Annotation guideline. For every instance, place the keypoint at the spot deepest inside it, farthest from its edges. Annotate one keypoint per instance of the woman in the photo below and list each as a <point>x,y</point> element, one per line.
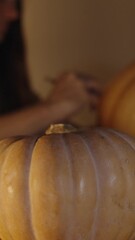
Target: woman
<point>21,113</point>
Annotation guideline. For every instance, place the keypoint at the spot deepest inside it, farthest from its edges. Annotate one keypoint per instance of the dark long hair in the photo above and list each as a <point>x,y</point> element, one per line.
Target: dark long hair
<point>15,91</point>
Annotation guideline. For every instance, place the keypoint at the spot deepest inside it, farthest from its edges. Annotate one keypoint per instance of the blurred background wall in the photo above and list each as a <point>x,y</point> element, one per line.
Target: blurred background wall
<point>92,36</point>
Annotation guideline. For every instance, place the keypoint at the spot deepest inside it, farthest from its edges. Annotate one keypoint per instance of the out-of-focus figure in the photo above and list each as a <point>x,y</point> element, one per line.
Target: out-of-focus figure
<point>21,111</point>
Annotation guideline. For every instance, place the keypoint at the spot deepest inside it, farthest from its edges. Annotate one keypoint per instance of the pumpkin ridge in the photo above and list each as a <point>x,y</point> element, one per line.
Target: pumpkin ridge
<point>8,143</point>
<point>28,186</point>
<point>127,179</point>
<point>69,159</point>
<point>4,151</point>
<point>49,199</point>
<point>71,150</point>
<point>28,149</point>
<point>87,145</point>
<point>125,138</point>
<point>98,189</point>
<point>105,184</point>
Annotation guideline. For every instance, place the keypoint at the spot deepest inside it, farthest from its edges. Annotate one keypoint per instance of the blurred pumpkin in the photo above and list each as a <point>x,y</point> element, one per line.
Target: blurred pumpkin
<point>117,108</point>
<point>68,186</point>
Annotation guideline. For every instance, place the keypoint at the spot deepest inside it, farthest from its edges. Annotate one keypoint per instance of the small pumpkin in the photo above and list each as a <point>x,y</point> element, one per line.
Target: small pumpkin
<point>117,108</point>
<point>68,186</point>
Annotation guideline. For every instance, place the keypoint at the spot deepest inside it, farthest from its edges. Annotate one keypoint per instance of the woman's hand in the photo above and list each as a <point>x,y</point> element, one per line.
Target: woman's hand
<point>71,91</point>
<point>93,88</point>
<point>76,91</point>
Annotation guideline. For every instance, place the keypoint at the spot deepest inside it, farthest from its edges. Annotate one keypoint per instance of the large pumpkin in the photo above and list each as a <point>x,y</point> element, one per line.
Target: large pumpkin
<point>117,108</point>
<point>68,186</point>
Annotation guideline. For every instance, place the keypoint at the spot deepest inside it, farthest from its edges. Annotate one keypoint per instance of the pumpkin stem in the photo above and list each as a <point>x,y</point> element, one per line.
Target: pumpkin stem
<point>60,128</point>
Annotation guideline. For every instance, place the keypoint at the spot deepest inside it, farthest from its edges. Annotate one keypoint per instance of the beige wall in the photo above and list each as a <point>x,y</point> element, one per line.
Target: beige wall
<point>94,36</point>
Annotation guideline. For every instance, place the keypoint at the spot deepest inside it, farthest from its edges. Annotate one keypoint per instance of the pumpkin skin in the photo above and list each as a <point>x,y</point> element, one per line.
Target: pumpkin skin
<point>117,108</point>
<point>70,186</point>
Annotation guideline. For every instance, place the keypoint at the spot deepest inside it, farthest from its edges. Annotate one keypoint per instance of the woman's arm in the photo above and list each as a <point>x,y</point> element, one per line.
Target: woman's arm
<point>33,120</point>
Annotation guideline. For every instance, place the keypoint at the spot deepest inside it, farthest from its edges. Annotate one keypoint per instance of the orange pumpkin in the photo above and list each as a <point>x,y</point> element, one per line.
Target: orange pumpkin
<point>117,109</point>
<point>68,186</point>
